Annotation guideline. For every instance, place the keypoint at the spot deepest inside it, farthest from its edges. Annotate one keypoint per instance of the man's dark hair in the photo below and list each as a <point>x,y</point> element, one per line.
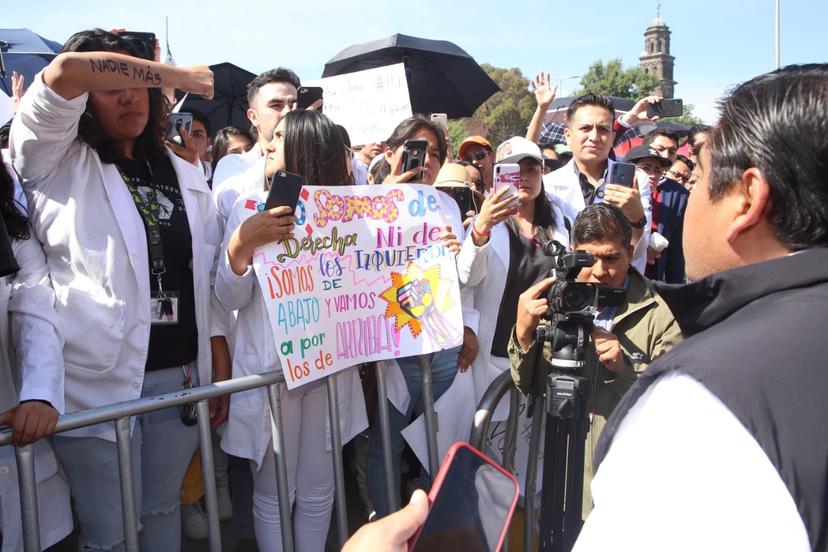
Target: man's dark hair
<point>778,123</point>
<point>409,126</point>
<point>201,118</point>
<point>598,100</point>
<point>314,149</point>
<point>280,74</point>
<point>150,144</point>
<point>667,133</point>
<point>686,160</point>
<point>601,222</point>
<point>691,134</point>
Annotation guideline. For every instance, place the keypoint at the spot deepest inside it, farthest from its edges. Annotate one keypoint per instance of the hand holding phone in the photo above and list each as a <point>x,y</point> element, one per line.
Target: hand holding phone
<point>621,174</point>
<point>472,501</point>
<point>665,108</point>
<point>307,96</point>
<point>176,122</point>
<point>284,190</point>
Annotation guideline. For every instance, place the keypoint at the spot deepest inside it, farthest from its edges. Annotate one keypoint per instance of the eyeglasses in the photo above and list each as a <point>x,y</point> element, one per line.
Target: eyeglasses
<point>479,155</point>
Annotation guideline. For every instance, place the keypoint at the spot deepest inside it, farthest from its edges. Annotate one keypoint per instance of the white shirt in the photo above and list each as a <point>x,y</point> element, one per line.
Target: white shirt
<point>235,163</point>
<point>684,474</point>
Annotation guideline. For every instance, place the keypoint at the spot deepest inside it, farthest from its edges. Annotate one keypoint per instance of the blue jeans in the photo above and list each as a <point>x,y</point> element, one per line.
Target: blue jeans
<point>161,450</point>
<point>443,369</point>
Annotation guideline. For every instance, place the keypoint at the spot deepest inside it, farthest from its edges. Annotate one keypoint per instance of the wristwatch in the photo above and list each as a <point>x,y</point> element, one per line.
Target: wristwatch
<point>640,224</point>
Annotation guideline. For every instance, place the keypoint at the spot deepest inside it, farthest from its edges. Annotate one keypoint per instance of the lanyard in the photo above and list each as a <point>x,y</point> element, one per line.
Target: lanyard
<point>150,212</point>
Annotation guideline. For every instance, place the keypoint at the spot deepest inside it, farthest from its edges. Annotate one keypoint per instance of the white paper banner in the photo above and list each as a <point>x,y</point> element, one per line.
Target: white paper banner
<point>369,104</point>
<point>366,277</point>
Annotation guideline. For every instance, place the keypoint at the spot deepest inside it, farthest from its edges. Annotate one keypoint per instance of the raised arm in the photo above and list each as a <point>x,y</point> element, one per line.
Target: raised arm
<point>71,74</point>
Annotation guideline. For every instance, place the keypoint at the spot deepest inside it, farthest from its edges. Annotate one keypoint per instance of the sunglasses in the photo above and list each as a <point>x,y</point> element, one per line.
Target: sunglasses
<point>479,155</point>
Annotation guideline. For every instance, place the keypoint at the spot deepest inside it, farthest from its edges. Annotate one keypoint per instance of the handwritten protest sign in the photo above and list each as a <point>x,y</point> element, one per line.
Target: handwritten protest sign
<point>369,104</point>
<point>365,277</point>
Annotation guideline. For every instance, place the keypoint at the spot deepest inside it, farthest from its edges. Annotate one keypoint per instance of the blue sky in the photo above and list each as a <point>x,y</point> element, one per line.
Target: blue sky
<point>716,43</point>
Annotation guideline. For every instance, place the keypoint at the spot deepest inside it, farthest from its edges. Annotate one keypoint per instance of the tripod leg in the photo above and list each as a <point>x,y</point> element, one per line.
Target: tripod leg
<point>529,495</point>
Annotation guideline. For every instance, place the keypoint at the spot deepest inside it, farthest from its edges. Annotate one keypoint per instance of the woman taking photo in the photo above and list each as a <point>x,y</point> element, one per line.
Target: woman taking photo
<point>306,143</point>
<point>130,238</point>
<point>502,257</point>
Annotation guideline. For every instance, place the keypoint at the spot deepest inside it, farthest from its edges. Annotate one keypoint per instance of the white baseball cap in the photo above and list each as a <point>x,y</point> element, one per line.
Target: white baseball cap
<point>516,148</point>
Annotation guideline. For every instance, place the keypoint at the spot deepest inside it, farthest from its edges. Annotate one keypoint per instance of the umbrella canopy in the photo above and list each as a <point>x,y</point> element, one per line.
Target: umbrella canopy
<point>557,111</point>
<point>442,77</point>
<point>25,52</point>
<point>229,103</point>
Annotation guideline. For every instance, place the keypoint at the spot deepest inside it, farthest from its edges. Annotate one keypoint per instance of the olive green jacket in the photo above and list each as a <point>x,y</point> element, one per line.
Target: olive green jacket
<point>645,328</point>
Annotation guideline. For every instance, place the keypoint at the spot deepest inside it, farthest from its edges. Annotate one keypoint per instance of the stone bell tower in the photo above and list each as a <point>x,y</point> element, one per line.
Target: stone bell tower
<point>656,58</point>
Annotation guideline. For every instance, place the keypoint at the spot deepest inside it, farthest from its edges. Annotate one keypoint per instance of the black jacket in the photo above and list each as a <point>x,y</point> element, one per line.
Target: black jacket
<point>754,337</point>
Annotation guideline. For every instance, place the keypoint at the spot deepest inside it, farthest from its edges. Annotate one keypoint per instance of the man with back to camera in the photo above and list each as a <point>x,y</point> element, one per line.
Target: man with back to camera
<point>627,338</point>
<point>727,431</point>
<point>582,181</point>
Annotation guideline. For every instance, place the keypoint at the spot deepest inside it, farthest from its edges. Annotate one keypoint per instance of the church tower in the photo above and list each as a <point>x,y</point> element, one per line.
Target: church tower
<point>656,58</point>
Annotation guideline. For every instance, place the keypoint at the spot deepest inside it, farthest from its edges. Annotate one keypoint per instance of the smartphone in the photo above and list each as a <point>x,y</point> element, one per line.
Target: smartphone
<point>440,119</point>
<point>413,154</point>
<point>470,504</point>
<point>307,95</point>
<point>176,122</point>
<point>506,174</point>
<point>666,108</point>
<point>621,174</point>
<point>463,196</point>
<point>285,188</point>
<point>144,43</point>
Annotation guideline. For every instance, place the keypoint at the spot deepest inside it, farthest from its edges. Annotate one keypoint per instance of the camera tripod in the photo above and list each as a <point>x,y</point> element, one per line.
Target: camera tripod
<point>566,394</point>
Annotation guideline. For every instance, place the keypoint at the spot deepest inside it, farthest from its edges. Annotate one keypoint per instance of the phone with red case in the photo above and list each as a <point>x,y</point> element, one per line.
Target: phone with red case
<point>470,504</point>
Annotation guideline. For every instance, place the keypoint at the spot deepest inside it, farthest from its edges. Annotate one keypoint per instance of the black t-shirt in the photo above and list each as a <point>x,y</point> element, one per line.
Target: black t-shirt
<point>170,344</point>
<point>527,265</point>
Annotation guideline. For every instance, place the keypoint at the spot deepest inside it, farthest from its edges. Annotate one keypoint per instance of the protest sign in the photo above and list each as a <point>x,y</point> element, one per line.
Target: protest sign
<point>369,104</point>
<point>365,277</point>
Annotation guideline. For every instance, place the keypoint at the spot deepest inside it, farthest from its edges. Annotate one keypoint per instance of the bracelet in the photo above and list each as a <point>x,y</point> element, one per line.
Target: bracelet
<point>478,232</point>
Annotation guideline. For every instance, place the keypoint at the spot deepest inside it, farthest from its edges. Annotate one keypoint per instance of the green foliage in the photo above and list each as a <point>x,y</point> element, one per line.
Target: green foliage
<point>613,80</point>
<point>502,116</point>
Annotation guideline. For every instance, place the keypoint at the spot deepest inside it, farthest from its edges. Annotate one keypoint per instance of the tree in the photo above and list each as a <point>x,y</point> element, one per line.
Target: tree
<point>505,114</point>
<point>613,80</point>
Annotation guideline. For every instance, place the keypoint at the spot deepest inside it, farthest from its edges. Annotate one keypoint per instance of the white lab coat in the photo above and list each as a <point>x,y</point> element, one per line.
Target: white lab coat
<point>562,184</point>
<point>28,298</point>
<point>485,269</point>
<point>96,249</point>
<point>248,431</point>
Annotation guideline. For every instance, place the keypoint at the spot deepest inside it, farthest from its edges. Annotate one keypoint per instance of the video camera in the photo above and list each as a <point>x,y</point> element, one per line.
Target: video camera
<point>568,298</point>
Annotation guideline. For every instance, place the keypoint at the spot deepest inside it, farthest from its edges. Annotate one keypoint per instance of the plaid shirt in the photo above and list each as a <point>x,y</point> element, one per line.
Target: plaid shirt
<point>553,133</point>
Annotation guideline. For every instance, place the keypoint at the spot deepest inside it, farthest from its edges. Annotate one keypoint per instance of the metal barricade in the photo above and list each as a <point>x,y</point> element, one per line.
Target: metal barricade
<point>120,413</point>
<point>480,432</point>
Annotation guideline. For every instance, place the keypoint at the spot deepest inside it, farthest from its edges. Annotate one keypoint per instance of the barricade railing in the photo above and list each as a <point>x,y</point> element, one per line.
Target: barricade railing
<point>481,427</point>
<point>120,414</point>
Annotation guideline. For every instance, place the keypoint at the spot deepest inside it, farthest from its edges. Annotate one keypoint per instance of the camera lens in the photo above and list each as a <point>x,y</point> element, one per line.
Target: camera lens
<point>576,297</point>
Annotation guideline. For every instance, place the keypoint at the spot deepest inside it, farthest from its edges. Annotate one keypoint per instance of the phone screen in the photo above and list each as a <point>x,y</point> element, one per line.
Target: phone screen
<point>178,121</point>
<point>472,508</point>
<point>284,190</point>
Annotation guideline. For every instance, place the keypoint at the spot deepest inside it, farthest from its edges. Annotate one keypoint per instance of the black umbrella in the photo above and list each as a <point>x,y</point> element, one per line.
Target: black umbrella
<point>23,51</point>
<point>229,103</point>
<point>442,77</point>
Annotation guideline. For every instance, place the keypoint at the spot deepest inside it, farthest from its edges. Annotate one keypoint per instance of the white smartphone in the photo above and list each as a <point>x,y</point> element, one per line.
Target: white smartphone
<point>508,175</point>
<point>440,119</point>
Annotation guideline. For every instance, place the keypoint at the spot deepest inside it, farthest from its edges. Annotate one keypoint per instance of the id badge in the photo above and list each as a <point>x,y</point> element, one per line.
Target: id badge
<point>164,308</point>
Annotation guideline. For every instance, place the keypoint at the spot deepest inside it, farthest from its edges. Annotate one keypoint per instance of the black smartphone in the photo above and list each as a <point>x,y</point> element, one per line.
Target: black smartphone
<point>285,188</point>
<point>176,122</point>
<point>666,108</point>
<point>621,174</point>
<point>306,95</point>
<point>471,504</point>
<point>144,43</point>
<point>463,196</point>
<point>413,154</point>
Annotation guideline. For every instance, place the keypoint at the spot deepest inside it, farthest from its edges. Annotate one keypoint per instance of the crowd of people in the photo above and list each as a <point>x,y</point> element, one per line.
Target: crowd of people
<point>135,279</point>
